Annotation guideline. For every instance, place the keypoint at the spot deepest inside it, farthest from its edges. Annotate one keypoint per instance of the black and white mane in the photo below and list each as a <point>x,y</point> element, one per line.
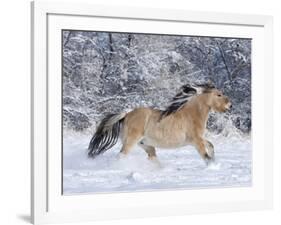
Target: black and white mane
<point>186,93</point>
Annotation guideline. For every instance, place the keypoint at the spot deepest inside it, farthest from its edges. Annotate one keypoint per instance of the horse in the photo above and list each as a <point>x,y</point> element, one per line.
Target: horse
<point>182,123</point>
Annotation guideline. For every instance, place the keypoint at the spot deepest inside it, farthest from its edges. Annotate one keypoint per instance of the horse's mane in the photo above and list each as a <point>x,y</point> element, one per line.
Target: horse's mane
<point>183,96</point>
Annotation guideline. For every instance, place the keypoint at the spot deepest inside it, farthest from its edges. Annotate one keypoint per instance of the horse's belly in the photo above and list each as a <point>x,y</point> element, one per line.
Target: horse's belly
<point>166,142</point>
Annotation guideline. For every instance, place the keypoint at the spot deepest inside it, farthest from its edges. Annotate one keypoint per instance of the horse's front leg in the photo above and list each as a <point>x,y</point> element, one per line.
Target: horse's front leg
<point>210,149</point>
<point>205,149</point>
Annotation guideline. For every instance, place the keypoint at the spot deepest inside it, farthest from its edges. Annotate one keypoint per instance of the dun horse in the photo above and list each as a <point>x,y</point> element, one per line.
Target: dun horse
<point>182,123</point>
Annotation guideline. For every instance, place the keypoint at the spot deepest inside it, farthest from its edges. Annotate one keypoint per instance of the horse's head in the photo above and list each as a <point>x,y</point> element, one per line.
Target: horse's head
<point>217,100</point>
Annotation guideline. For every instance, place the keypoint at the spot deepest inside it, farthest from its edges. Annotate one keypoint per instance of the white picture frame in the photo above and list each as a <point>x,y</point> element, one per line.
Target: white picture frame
<point>48,205</point>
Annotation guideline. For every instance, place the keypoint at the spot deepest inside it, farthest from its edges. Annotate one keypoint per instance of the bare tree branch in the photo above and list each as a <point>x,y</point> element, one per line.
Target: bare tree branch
<point>224,60</point>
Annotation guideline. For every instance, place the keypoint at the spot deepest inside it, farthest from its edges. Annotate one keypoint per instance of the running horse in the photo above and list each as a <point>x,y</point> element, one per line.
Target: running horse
<point>182,123</point>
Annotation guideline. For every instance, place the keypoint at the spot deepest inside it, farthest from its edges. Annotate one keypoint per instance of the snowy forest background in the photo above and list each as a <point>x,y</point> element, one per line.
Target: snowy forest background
<point>111,72</point>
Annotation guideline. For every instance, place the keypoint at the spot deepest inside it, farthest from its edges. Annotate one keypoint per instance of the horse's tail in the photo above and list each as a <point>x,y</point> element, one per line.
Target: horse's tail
<point>106,134</point>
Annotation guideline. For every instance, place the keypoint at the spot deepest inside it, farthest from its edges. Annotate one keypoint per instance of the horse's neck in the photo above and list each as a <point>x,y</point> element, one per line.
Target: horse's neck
<point>200,108</point>
<point>204,113</point>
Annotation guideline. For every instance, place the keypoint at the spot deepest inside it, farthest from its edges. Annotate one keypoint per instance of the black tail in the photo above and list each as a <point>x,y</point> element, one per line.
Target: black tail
<point>106,134</point>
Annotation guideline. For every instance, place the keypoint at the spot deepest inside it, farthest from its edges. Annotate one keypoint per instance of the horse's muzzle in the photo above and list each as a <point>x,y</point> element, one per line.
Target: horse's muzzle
<point>228,106</point>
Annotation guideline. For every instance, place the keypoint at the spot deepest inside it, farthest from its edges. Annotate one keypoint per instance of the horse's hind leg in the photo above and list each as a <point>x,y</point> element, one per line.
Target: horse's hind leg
<point>129,143</point>
<point>133,129</point>
<point>130,138</point>
<point>149,150</point>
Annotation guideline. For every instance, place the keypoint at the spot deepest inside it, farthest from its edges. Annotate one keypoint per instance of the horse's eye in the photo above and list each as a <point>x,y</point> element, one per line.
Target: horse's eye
<point>219,95</point>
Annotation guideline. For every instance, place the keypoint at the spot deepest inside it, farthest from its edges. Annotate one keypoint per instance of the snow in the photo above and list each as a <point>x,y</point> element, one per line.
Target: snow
<point>176,168</point>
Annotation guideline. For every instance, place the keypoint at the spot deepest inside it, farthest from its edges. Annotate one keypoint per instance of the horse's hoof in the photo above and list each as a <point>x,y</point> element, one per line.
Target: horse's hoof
<point>155,161</point>
<point>121,156</point>
<point>209,161</point>
<point>213,166</point>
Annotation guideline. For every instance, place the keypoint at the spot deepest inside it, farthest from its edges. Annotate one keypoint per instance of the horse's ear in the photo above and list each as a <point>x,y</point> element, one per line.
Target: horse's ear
<point>207,87</point>
<point>210,84</point>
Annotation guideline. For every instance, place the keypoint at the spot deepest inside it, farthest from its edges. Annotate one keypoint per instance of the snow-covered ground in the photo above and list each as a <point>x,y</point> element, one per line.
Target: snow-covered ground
<point>179,168</point>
